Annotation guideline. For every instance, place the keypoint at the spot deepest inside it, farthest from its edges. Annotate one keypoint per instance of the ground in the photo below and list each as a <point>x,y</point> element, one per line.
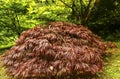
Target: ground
<point>111,70</point>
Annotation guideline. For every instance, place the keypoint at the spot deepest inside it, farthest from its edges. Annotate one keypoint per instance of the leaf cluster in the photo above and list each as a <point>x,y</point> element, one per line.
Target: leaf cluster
<point>60,49</point>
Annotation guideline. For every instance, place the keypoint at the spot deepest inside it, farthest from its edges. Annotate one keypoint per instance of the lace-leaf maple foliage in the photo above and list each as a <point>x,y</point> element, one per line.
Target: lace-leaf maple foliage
<point>58,49</point>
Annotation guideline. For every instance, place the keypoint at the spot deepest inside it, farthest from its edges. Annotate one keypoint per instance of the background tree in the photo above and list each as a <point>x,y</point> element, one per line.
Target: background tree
<point>105,20</point>
<point>101,16</point>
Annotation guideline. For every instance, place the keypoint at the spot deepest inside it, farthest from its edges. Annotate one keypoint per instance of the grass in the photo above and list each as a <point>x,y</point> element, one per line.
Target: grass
<point>3,74</point>
<point>111,70</point>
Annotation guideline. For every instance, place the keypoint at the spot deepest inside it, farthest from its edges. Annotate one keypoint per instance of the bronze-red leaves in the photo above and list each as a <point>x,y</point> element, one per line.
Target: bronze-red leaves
<point>57,50</point>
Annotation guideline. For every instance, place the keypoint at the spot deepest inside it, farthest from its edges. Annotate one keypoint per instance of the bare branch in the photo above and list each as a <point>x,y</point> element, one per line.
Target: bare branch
<point>90,10</point>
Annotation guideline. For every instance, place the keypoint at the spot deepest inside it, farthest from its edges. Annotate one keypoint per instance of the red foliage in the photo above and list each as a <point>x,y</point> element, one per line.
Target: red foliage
<point>111,45</point>
<point>57,50</point>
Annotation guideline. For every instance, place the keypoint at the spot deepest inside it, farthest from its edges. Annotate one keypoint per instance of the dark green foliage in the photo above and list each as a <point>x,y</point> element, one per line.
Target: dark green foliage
<point>105,20</point>
<point>18,8</point>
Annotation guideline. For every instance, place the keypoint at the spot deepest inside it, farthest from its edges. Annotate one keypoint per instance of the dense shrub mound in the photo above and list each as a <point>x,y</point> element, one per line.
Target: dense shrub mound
<point>56,50</point>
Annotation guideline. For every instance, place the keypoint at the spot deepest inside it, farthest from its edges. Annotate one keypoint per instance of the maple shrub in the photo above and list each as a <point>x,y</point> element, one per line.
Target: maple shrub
<point>59,49</point>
